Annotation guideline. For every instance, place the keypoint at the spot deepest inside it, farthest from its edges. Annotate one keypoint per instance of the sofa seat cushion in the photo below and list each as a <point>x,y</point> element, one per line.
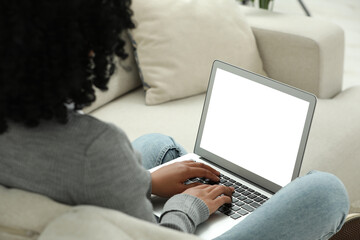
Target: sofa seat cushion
<point>334,144</point>
<point>89,222</point>
<point>179,119</point>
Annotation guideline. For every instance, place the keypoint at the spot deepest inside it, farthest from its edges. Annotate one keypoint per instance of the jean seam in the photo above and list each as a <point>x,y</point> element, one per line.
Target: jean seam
<point>177,147</point>
<point>163,153</point>
<point>327,236</point>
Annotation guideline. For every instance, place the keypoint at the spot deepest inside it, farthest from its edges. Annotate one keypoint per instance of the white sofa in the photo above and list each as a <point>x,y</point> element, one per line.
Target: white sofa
<point>300,51</point>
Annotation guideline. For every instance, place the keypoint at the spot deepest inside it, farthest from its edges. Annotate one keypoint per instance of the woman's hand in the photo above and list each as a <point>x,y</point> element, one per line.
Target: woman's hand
<point>213,195</point>
<point>169,180</point>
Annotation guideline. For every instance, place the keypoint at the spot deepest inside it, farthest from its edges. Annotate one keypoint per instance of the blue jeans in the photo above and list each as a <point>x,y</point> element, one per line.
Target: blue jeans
<point>310,207</point>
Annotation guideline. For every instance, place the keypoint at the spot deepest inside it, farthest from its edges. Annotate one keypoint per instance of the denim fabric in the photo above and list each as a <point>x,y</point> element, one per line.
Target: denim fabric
<point>311,207</point>
<point>156,149</point>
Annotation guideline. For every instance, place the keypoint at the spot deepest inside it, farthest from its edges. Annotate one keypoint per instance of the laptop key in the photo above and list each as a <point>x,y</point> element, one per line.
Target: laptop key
<point>238,184</point>
<point>235,208</point>
<point>264,197</point>
<point>255,204</point>
<point>239,203</point>
<point>248,208</point>
<point>228,205</point>
<point>248,201</point>
<point>223,208</point>
<point>252,196</point>
<point>210,182</point>
<point>228,184</point>
<point>241,198</point>
<point>235,216</point>
<point>258,199</point>
<point>245,193</point>
<point>226,212</point>
<point>229,213</point>
<point>242,212</point>
<point>225,177</point>
<point>235,194</point>
<point>223,180</point>
<point>239,190</point>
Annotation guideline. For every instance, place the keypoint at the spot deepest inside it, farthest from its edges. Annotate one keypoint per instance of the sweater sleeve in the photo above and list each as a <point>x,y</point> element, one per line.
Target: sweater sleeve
<point>184,212</point>
<point>113,177</point>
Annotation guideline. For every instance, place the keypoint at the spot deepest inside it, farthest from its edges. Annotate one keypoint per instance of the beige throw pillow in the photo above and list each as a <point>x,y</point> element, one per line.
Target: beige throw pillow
<point>177,42</point>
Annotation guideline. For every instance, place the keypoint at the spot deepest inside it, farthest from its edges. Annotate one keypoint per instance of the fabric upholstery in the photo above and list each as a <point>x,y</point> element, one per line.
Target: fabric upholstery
<point>125,78</point>
<point>334,145</point>
<point>179,119</point>
<point>177,43</point>
<point>24,215</point>
<point>88,222</point>
<point>303,52</point>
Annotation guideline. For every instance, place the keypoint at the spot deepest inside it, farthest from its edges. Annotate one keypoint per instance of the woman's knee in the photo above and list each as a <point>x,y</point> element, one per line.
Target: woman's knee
<point>330,192</point>
<point>157,149</point>
<point>328,186</point>
<point>158,142</point>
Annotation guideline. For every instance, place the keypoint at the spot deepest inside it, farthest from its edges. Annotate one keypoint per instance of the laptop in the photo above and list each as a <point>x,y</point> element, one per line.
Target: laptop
<point>253,130</point>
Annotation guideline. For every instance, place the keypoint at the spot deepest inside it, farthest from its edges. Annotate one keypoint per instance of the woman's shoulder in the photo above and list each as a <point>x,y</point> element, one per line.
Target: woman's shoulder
<point>81,131</point>
<point>92,124</point>
<point>78,118</point>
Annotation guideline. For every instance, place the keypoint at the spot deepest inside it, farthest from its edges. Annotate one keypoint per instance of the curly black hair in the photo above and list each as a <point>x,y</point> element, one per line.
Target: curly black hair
<point>53,52</point>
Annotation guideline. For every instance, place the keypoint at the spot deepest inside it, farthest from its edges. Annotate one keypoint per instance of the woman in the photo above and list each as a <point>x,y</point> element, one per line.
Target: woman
<point>52,55</point>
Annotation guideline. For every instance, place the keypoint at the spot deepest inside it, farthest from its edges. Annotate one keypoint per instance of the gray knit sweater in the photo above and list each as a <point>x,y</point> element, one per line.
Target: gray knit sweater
<point>88,162</point>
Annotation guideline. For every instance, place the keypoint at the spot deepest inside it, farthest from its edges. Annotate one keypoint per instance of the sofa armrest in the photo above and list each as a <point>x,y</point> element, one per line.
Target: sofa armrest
<point>95,223</point>
<point>24,215</point>
<point>300,51</point>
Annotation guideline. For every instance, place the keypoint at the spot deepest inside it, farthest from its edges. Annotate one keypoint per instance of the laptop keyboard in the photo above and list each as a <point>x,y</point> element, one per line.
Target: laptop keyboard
<point>244,198</point>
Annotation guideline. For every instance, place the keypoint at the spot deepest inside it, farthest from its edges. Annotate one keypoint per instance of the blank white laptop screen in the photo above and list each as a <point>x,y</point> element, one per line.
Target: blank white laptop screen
<point>262,127</point>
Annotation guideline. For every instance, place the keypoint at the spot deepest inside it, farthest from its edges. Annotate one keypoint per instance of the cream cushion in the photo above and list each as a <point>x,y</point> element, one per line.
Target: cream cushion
<point>177,42</point>
<point>24,215</point>
<point>124,79</point>
<point>89,222</point>
<point>30,216</point>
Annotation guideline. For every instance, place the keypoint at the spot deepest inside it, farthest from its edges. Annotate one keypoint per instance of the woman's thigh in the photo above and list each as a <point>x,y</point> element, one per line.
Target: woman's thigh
<point>310,207</point>
<point>156,149</point>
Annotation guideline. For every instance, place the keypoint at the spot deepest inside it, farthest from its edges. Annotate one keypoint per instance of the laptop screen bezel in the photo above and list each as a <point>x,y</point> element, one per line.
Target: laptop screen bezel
<point>260,181</point>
